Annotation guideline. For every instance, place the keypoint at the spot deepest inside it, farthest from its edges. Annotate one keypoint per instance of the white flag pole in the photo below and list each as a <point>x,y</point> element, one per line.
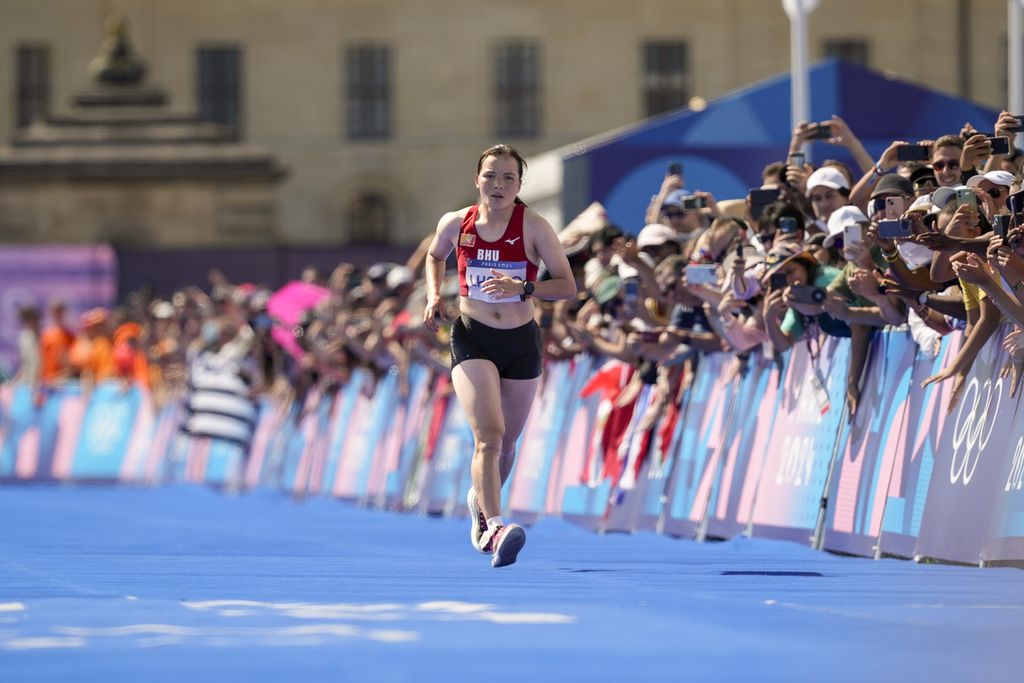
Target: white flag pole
<point>800,91</point>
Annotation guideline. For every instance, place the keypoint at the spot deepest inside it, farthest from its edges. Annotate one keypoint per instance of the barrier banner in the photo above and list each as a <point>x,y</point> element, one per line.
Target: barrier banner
<point>271,417</point>
<point>661,458</point>
<point>973,462</point>
<point>318,438</point>
<point>19,432</point>
<point>410,439</point>
<point>592,427</point>
<point>399,428</point>
<point>168,422</point>
<point>729,511</point>
<point>1005,539</point>
<point>810,420</point>
<point>627,493</point>
<point>912,469</point>
<point>579,501</point>
<point>703,430</point>
<point>301,433</point>
<point>540,441</point>
<point>571,449</point>
<point>345,402</point>
<point>108,431</point>
<point>364,439</point>
<point>864,466</point>
<point>445,479</point>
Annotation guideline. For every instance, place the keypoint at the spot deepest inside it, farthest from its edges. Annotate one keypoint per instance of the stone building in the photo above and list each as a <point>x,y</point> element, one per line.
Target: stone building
<point>379,108</point>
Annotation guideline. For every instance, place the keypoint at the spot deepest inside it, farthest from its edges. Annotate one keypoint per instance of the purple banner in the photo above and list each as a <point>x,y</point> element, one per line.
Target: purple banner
<point>81,276</point>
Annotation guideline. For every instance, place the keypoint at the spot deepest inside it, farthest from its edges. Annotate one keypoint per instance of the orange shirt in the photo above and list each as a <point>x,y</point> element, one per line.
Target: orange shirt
<point>54,345</point>
<point>95,356</point>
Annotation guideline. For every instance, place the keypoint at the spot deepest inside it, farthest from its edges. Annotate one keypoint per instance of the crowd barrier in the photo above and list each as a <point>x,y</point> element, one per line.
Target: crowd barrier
<point>753,447</point>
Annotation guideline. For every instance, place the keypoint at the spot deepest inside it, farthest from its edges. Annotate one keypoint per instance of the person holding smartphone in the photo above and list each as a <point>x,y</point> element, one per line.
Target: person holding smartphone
<point>495,343</point>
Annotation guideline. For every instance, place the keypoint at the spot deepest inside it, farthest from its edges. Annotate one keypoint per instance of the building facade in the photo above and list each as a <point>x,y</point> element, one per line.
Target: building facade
<point>379,108</point>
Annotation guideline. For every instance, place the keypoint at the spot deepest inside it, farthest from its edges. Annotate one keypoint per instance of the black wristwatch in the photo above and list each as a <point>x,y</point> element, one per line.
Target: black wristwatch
<point>528,288</point>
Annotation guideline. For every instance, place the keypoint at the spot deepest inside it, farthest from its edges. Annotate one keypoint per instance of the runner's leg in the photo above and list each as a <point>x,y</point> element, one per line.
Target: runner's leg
<point>479,390</point>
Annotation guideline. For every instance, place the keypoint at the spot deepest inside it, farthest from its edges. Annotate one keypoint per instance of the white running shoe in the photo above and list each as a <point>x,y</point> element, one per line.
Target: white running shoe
<point>504,542</point>
<point>478,524</point>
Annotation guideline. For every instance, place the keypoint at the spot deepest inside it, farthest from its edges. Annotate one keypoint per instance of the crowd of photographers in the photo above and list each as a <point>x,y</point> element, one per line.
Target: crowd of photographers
<point>927,236</point>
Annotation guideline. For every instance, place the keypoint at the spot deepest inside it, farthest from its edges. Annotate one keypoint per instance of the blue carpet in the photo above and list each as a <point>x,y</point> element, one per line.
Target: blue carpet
<point>185,584</point>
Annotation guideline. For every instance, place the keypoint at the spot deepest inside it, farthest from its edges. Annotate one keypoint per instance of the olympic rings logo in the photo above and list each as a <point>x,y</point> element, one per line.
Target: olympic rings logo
<point>970,430</point>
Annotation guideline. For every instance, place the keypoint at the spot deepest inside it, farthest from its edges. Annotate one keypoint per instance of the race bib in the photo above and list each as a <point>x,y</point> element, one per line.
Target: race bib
<point>478,271</point>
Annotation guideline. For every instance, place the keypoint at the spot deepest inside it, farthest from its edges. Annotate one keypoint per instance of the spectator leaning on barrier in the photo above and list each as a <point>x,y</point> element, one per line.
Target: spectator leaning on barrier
<point>28,372</point>
<point>55,346</point>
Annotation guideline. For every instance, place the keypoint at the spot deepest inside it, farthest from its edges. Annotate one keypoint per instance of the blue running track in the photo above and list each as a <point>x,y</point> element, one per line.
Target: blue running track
<point>186,584</point>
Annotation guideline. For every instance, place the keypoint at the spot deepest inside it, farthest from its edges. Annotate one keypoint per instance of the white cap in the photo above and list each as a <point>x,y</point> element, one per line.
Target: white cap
<point>840,218</point>
<point>829,176</point>
<point>654,235</point>
<point>923,203</point>
<point>1004,178</point>
<point>398,276</point>
<point>942,195</point>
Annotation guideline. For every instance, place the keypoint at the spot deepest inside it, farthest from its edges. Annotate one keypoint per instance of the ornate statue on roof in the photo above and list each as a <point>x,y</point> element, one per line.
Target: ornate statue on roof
<point>117,64</point>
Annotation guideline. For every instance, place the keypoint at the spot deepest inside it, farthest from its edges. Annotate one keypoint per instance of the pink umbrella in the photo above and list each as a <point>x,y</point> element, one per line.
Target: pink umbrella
<point>286,307</point>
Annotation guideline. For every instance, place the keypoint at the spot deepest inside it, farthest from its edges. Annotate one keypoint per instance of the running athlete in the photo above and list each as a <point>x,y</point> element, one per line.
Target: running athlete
<point>495,343</point>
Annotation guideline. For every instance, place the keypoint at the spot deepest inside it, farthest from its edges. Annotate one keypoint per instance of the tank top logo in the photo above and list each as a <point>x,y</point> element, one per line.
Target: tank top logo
<point>467,240</point>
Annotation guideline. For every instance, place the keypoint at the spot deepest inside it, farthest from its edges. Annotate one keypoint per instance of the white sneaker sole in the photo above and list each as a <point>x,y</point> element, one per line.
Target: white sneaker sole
<point>474,519</point>
<point>511,543</point>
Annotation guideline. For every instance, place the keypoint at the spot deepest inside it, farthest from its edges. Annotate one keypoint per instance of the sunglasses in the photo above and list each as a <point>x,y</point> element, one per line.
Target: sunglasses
<point>942,165</point>
<point>674,214</point>
<point>927,183</point>
<point>994,193</point>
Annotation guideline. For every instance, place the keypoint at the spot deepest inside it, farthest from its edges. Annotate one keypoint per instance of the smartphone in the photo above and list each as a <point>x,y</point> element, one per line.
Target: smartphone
<point>894,229</point>
<point>966,196</point>
<point>852,234</point>
<point>787,225</point>
<point>759,199</point>
<point>819,131</point>
<point>739,250</point>
<point>913,153</point>
<point>695,203</point>
<point>1000,145</point>
<point>700,274</point>
<point>778,281</point>
<point>797,159</point>
<point>1019,127</point>
<point>894,207</point>
<point>675,168</point>
<point>1015,202</point>
<point>807,294</point>
<point>1002,224</point>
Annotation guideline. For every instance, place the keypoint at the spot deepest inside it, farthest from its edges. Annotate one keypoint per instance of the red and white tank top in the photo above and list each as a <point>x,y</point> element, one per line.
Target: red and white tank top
<point>476,256</point>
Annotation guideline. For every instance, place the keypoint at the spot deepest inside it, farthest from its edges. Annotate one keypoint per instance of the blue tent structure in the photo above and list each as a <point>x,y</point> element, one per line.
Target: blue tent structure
<point>725,146</point>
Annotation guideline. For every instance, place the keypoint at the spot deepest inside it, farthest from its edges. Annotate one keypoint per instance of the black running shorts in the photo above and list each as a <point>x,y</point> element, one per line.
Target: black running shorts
<point>515,352</point>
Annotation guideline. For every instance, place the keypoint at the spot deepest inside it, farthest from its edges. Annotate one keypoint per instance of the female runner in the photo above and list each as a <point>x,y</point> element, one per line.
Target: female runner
<point>495,343</point>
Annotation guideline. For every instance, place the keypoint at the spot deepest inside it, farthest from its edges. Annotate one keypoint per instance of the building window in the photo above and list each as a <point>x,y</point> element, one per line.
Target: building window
<point>33,83</point>
<point>219,81</point>
<point>370,219</point>
<point>666,76</point>
<point>368,89</point>
<point>517,89</point>
<point>852,51</point>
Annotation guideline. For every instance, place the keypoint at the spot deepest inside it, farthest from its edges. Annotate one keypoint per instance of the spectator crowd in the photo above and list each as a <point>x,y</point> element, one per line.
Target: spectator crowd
<point>929,236</point>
